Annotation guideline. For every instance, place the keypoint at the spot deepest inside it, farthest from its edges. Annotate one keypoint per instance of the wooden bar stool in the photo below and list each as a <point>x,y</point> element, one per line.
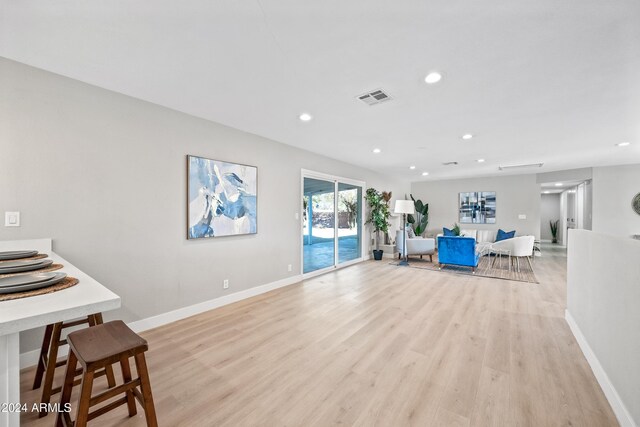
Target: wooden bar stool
<point>48,360</point>
<point>96,348</point>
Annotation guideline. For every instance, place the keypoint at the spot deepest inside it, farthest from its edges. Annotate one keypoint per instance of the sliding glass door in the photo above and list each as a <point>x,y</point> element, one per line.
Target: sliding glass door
<point>319,232</point>
<point>349,222</point>
<point>332,222</point>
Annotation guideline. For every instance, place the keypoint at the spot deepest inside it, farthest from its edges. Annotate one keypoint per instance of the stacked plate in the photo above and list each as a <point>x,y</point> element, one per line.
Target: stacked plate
<point>28,282</point>
<point>15,262</point>
<point>16,254</point>
<point>24,265</point>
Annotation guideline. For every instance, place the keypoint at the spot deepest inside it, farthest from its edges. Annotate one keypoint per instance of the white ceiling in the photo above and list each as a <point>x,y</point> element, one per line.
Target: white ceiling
<point>535,81</point>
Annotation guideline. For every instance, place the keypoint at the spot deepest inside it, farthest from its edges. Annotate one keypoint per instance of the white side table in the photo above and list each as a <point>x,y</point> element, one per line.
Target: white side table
<point>498,252</point>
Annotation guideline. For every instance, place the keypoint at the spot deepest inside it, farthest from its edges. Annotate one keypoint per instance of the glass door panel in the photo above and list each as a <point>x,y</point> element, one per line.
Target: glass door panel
<point>318,235</point>
<point>349,222</point>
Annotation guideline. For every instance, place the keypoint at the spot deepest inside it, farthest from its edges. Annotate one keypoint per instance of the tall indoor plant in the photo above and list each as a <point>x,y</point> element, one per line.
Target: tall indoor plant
<point>420,221</point>
<point>386,196</point>
<point>554,230</point>
<point>378,217</point>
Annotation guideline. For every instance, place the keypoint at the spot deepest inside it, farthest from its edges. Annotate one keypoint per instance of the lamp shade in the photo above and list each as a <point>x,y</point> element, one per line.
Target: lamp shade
<point>404,207</point>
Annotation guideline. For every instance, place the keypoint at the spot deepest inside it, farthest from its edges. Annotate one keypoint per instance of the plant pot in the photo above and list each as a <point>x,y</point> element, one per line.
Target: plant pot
<point>554,240</point>
<point>377,254</point>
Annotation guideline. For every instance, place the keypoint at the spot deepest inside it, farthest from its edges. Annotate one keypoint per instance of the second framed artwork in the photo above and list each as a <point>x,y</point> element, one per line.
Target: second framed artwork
<point>477,207</point>
<point>221,198</point>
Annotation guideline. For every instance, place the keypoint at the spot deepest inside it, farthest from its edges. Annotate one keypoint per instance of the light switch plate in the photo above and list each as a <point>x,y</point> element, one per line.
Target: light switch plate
<point>522,216</point>
<point>12,219</point>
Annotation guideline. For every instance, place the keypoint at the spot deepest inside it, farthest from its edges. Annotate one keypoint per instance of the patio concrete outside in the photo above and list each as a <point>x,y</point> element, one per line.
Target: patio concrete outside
<point>320,253</point>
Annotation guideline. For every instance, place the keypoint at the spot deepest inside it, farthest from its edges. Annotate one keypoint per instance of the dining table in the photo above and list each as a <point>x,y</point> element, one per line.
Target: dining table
<point>17,315</point>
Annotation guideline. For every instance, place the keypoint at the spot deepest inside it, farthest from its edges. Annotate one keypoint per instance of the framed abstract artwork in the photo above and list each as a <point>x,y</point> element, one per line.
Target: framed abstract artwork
<point>477,207</point>
<point>221,198</point>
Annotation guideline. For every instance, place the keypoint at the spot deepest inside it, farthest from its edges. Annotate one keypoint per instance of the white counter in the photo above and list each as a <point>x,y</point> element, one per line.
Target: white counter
<point>87,297</point>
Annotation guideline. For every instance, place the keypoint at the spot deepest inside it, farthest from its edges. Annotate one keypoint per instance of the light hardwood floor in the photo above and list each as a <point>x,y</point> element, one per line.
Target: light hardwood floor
<point>375,345</point>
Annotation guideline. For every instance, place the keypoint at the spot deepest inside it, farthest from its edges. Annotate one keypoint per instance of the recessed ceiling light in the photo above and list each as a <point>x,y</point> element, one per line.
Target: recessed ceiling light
<point>433,77</point>
<point>546,192</point>
<point>558,184</point>
<point>467,136</point>
<point>412,167</point>
<point>623,144</point>
<point>305,117</point>
<point>377,151</point>
<point>480,160</point>
<point>425,173</point>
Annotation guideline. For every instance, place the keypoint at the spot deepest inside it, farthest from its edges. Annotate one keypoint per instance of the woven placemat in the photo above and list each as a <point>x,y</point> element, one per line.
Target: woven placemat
<point>38,256</point>
<point>66,283</point>
<point>52,267</point>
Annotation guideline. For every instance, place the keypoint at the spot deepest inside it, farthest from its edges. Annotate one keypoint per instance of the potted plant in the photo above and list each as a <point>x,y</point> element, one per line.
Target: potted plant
<point>455,229</point>
<point>378,217</point>
<point>386,196</point>
<point>554,230</point>
<point>421,219</point>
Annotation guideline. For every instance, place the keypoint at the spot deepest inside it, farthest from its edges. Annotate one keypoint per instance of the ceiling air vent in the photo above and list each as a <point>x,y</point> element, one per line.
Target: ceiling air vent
<point>450,163</point>
<point>374,97</point>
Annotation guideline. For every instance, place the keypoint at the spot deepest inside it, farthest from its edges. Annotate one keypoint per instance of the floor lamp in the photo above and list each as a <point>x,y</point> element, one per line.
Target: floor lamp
<point>404,207</point>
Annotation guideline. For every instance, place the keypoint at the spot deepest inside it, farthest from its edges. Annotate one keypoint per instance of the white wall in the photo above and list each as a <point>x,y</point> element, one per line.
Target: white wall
<point>571,213</point>
<point>549,211</point>
<point>104,175</point>
<point>582,174</point>
<point>563,219</point>
<point>603,299</point>
<point>613,190</point>
<point>516,194</point>
<point>588,205</point>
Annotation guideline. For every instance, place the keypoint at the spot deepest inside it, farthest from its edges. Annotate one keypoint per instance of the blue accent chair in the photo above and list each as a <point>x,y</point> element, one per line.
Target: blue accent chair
<point>458,251</point>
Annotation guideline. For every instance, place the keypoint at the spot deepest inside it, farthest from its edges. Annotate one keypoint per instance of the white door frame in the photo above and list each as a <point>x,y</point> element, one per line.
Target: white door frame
<point>306,173</point>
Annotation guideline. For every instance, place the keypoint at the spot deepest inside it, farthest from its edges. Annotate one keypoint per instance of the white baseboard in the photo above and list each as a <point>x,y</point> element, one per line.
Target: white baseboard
<point>623,415</point>
<point>184,312</point>
<point>30,358</point>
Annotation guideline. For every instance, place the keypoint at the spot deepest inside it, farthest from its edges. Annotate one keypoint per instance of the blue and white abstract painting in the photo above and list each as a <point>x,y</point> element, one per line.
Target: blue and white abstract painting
<point>221,199</point>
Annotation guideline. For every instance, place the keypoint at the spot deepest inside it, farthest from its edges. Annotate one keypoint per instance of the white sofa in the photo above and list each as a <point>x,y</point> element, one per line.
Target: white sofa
<point>483,237</point>
<point>415,245</point>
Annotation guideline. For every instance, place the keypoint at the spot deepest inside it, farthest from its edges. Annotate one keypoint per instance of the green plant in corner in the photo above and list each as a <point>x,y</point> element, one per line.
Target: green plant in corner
<point>554,230</point>
<point>378,215</point>
<point>420,221</point>
<point>386,196</point>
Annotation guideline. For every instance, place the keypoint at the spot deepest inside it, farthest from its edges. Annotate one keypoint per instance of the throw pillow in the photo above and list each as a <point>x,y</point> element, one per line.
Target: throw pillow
<point>448,232</point>
<point>410,233</point>
<point>504,235</point>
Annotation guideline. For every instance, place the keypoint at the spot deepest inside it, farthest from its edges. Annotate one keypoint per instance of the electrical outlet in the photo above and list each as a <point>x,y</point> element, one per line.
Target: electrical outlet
<point>225,284</point>
<point>289,267</point>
